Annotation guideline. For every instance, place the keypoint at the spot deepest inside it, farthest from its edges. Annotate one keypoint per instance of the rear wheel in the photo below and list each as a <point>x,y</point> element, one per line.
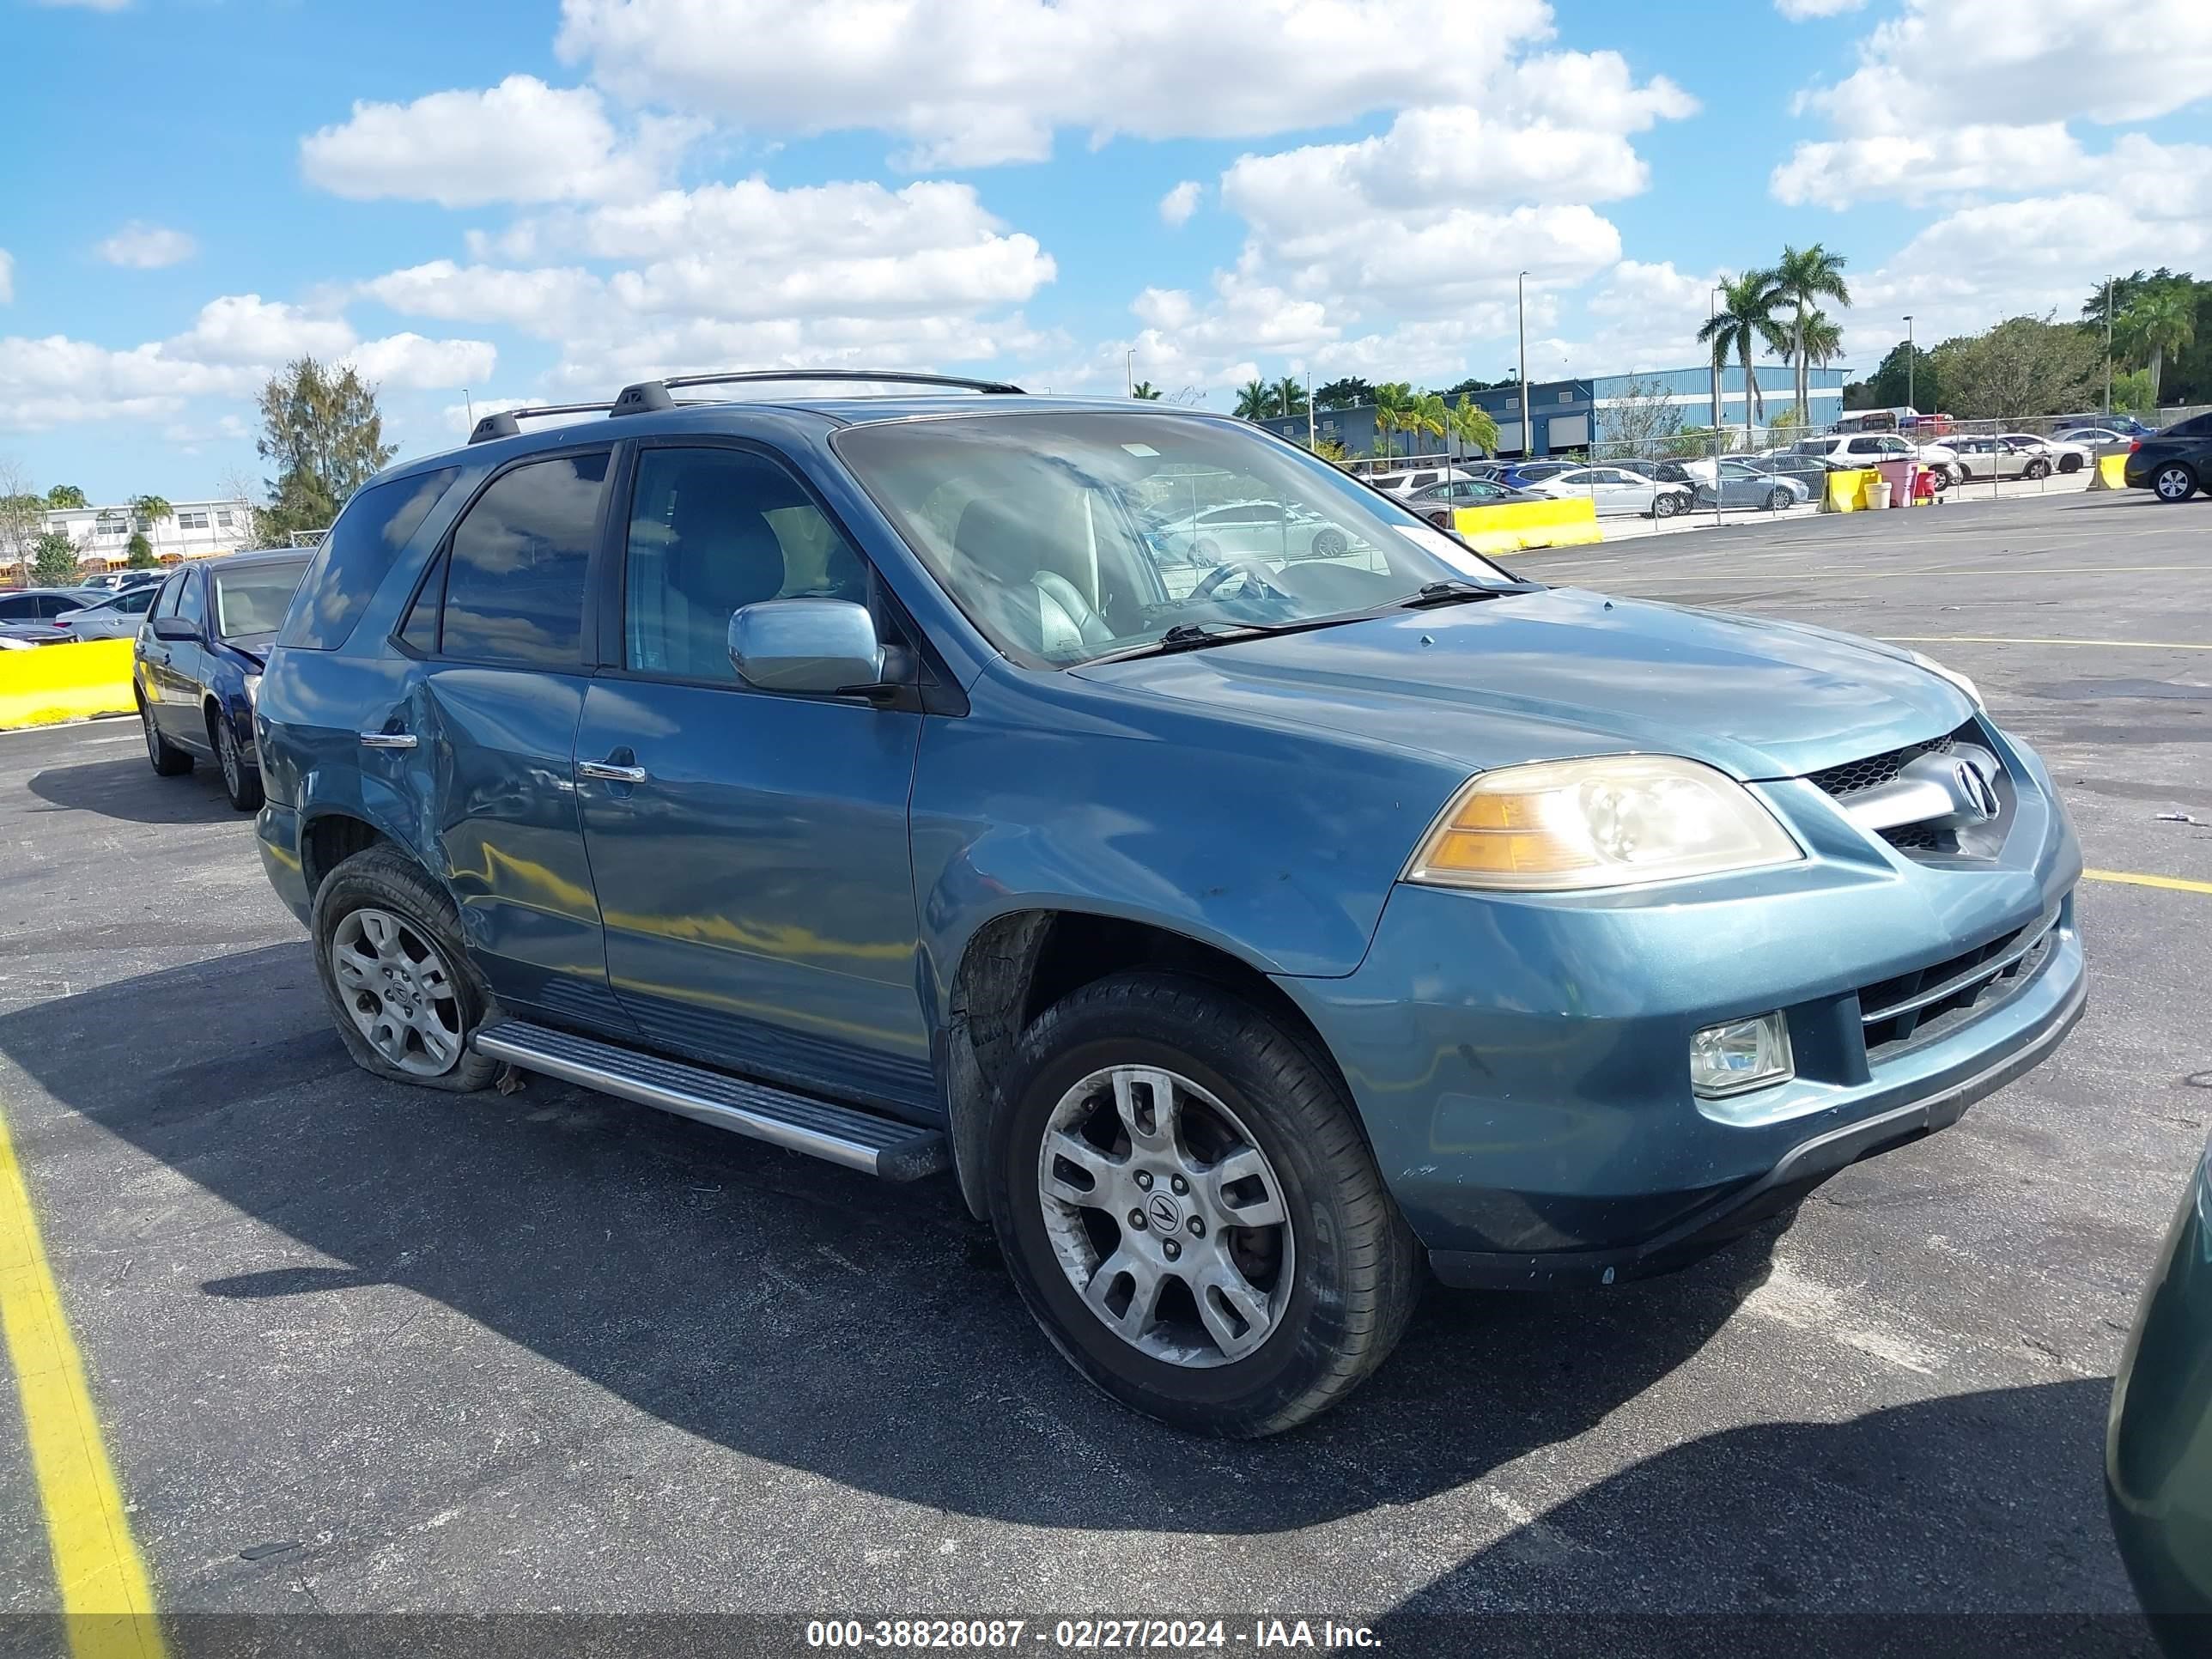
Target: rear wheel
<point>168,760</point>
<point>405,997</point>
<point>1190,1211</point>
<point>2174,482</point>
<point>1777,499</point>
<point>2036,469</point>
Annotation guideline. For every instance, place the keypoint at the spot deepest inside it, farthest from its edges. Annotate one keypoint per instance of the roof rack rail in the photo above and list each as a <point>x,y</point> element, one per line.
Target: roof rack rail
<point>647,396</point>
<point>503,424</point>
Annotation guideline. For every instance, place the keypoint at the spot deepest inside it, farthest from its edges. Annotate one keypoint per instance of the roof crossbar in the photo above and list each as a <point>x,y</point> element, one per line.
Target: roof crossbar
<point>647,396</point>
<point>504,423</point>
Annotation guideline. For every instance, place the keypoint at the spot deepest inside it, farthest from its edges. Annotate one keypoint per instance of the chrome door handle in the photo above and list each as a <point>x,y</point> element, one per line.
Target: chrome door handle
<point>609,771</point>
<point>387,740</point>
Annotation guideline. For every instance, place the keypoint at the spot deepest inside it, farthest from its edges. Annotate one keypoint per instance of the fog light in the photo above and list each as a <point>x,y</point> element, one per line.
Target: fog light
<point>1744,1054</point>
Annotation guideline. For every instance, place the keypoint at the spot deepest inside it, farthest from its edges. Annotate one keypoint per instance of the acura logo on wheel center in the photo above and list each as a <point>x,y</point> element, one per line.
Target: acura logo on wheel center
<point>1164,1213</point>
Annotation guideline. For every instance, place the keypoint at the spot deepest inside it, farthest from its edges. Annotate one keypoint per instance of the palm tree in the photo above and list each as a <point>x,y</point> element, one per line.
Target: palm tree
<point>1472,425</point>
<point>2156,322</point>
<point>149,510</point>
<point>1426,417</point>
<point>1745,320</point>
<point>1806,276</point>
<point>1290,396</point>
<point>1146,390</point>
<point>1392,398</point>
<point>1255,401</point>
<point>1823,339</point>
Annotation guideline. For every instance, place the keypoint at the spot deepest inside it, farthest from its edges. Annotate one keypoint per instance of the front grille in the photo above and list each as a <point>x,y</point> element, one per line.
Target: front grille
<point>1925,1004</point>
<point>1847,779</point>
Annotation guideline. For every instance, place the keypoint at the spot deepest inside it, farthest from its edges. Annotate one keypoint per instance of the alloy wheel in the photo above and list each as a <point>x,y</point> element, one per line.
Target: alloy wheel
<point>397,989</point>
<point>1166,1216</point>
<point>2174,485</point>
<point>234,763</point>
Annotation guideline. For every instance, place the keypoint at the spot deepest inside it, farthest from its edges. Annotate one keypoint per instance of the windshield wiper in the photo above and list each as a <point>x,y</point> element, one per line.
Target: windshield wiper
<point>1185,637</point>
<point>1448,593</point>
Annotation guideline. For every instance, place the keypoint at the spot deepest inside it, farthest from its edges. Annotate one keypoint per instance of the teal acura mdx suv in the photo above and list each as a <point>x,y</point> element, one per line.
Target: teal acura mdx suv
<point>1249,930</point>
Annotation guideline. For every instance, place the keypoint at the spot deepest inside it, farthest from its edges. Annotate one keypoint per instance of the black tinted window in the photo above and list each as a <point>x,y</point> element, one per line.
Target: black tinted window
<point>2197,425</point>
<point>355,558</point>
<point>192,603</point>
<point>21,608</point>
<point>514,589</point>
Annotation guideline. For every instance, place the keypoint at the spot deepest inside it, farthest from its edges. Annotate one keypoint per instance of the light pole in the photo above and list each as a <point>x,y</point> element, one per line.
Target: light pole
<point>1521,300</point>
<point>2108,349</point>
<point>1309,414</point>
<point>1909,365</point>
<point>1132,375</point>
<point>1712,314</point>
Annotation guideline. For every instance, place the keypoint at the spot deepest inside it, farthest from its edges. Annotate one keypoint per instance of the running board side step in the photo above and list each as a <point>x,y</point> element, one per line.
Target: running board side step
<point>858,1140</point>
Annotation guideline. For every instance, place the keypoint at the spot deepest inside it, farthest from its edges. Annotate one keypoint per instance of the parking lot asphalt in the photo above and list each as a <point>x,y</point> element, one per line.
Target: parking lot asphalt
<point>357,1347</point>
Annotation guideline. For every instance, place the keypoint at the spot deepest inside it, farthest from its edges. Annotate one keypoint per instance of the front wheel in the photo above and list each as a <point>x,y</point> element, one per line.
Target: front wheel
<point>1777,500</point>
<point>405,997</point>
<point>2175,484</point>
<point>1190,1211</point>
<point>2036,469</point>
<point>1666,506</point>
<point>1329,544</point>
<point>241,780</point>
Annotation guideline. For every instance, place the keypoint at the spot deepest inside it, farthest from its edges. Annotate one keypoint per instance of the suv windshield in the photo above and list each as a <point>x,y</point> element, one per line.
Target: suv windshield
<point>1067,536</point>
<point>253,599</point>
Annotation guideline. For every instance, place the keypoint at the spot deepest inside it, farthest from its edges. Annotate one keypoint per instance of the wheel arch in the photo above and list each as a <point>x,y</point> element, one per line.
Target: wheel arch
<point>1020,963</point>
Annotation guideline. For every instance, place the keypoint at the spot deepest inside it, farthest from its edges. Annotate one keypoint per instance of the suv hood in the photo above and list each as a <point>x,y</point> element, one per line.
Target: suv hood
<point>1560,672</point>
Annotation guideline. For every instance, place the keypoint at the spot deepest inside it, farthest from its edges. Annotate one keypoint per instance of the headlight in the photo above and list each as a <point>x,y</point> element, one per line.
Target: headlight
<point>1612,821</point>
<point>253,691</point>
<point>1974,692</point>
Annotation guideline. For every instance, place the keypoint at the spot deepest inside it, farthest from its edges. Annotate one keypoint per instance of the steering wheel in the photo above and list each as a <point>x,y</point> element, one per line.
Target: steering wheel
<point>1253,571</point>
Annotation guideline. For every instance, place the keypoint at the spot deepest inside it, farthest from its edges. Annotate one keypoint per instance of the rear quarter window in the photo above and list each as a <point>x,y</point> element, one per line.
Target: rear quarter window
<point>357,555</point>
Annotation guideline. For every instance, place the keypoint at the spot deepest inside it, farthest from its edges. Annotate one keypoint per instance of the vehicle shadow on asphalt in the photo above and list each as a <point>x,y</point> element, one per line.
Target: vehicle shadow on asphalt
<point>127,790</point>
<point>1782,1534</point>
<point>792,1311</point>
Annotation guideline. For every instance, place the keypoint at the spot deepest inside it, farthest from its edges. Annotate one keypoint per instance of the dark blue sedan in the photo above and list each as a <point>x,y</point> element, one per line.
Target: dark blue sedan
<point>196,670</point>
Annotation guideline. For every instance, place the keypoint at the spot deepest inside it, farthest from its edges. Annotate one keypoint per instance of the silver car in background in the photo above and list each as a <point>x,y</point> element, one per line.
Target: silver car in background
<point>1246,530</point>
<point>117,618</point>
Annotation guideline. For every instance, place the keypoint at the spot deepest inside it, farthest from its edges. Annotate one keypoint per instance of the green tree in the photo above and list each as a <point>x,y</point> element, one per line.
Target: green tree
<point>2023,368</point>
<point>325,436</point>
<point>1472,383</point>
<point>1426,416</point>
<point>2159,319</point>
<point>147,511</point>
<point>2133,393</point>
<point>141,551</point>
<point>1290,396</point>
<point>1255,401</point>
<point>1391,399</point>
<point>1145,391</point>
<point>1332,451</point>
<point>1893,387</point>
<point>1347,393</point>
<point>1802,281</point>
<point>53,560</point>
<point>1643,417</point>
<point>1745,321</point>
<point>65,496</point>
<point>1472,425</point>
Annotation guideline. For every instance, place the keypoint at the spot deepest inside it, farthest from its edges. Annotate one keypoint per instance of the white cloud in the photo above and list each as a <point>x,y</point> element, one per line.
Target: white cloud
<point>1799,11</point>
<point>7,276</point>
<point>1179,203</point>
<point>973,82</point>
<point>1920,168</point>
<point>461,418</point>
<point>410,363</point>
<point>546,303</point>
<point>147,247</point>
<point>243,328</point>
<point>521,141</point>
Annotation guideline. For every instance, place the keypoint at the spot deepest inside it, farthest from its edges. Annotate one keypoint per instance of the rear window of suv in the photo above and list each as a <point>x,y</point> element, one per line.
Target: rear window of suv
<point>357,556</point>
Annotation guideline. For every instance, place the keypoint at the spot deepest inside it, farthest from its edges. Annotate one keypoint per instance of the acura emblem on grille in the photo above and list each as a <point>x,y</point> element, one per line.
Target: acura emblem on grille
<point>1974,791</point>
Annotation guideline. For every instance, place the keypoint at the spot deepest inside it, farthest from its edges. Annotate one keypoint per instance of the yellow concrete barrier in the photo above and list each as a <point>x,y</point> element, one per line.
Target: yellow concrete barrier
<point>1847,491</point>
<point>2112,473</point>
<point>1570,521</point>
<point>64,682</point>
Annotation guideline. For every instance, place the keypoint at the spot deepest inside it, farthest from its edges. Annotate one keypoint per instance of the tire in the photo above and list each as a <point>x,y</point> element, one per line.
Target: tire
<point>2036,470</point>
<point>380,881</point>
<point>2174,482</point>
<point>167,760</point>
<point>1666,506</point>
<point>1336,1279</point>
<point>241,781</point>
<point>1777,500</point>
<point>1329,544</point>
<point>1205,550</point>
<point>2069,464</point>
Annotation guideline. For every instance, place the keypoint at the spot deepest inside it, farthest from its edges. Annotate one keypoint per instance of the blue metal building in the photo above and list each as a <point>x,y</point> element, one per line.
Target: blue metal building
<point>1691,391</point>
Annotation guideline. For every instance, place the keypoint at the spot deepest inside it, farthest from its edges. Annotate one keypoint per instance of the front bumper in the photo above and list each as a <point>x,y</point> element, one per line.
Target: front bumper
<point>1521,1062</point>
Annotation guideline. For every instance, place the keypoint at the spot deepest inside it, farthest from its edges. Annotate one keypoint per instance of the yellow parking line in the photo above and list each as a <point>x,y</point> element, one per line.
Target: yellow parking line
<point>2129,878</point>
<point>105,1599</point>
<point>1994,639</point>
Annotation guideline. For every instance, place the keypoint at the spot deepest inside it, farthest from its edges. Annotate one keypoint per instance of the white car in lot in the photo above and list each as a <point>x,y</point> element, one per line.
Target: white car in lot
<point>1614,490</point>
<point>2007,456</point>
<point>1872,448</point>
<point>1245,530</point>
<point>2096,439</point>
<point>2064,454</point>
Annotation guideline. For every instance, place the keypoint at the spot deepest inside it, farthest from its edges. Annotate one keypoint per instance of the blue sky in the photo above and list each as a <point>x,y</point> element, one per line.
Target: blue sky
<point>509,201</point>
